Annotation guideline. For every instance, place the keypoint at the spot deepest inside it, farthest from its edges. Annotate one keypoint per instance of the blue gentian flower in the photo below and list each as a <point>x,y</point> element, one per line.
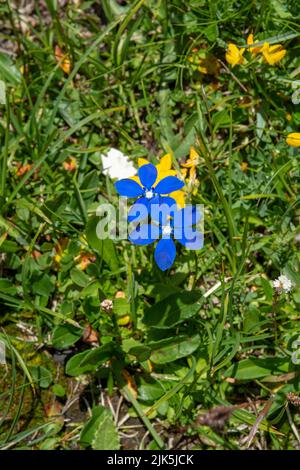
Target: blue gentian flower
<point>148,193</point>
<point>178,227</point>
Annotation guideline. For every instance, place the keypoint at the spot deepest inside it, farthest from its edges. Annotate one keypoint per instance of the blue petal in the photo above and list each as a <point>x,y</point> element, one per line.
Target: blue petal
<point>139,210</point>
<point>129,188</point>
<point>147,175</point>
<point>189,237</point>
<point>144,234</point>
<point>170,201</point>
<point>188,216</point>
<point>168,185</point>
<point>165,253</point>
<point>162,208</point>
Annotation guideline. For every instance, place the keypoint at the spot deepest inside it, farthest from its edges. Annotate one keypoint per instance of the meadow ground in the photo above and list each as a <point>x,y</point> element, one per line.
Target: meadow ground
<point>99,347</point>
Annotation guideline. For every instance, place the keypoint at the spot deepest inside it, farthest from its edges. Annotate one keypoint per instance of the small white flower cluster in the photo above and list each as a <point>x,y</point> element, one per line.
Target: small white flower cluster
<point>107,305</point>
<point>283,284</point>
<point>117,165</point>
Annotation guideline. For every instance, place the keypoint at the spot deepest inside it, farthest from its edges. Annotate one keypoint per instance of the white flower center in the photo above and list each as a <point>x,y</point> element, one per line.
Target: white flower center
<point>167,230</point>
<point>149,194</point>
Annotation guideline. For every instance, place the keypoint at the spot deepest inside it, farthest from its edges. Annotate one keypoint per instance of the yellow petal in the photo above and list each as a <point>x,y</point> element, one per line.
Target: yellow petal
<point>184,171</point>
<point>164,173</point>
<point>194,156</point>
<point>142,161</point>
<point>254,50</point>
<point>202,67</point>
<point>193,173</point>
<point>244,166</point>
<point>293,139</point>
<point>135,178</point>
<point>274,48</point>
<point>234,55</point>
<point>165,163</point>
<point>250,39</point>
<point>63,59</point>
<point>273,54</point>
<point>179,197</point>
<point>187,164</point>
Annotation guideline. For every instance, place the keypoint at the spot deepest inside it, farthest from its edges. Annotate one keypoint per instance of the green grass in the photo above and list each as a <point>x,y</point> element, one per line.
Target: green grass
<point>200,356</point>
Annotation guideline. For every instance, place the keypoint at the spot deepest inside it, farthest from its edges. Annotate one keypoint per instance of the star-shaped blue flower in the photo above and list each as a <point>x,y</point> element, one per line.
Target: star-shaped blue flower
<point>148,193</point>
<point>178,227</point>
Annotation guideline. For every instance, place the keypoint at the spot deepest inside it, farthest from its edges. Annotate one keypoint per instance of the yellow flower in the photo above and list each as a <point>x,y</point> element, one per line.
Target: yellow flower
<point>255,49</point>
<point>164,169</point>
<point>85,260</point>
<point>244,166</point>
<point>273,54</point>
<point>57,258</point>
<point>63,59</point>
<point>205,62</point>
<point>70,164</point>
<point>191,165</point>
<point>293,139</point>
<point>234,55</point>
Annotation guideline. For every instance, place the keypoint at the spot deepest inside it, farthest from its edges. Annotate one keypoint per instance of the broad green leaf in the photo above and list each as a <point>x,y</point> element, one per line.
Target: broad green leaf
<point>173,310</point>
<point>150,391</point>
<point>169,350</point>
<point>142,353</point>
<point>65,336</point>
<point>44,286</point>
<point>88,361</point>
<point>79,277</point>
<point>100,432</point>
<point>121,307</point>
<point>255,368</point>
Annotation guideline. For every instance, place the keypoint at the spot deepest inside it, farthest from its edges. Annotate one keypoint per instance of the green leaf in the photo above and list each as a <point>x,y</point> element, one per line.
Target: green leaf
<point>185,145</point>
<point>41,376</point>
<point>79,277</point>
<point>251,321</point>
<point>173,310</point>
<point>7,286</point>
<point>105,248</point>
<point>255,368</point>
<point>150,391</point>
<point>2,92</point>
<point>260,125</point>
<point>65,336</point>
<point>121,307</point>
<point>88,361</point>
<point>211,32</point>
<point>169,350</point>
<point>142,353</point>
<point>100,432</point>
<point>58,390</point>
<point>267,287</point>
<point>44,286</point>
<point>8,71</point>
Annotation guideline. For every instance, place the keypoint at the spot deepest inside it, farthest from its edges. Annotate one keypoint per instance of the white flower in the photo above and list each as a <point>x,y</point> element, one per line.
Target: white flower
<point>283,284</point>
<point>117,165</point>
<point>107,305</point>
